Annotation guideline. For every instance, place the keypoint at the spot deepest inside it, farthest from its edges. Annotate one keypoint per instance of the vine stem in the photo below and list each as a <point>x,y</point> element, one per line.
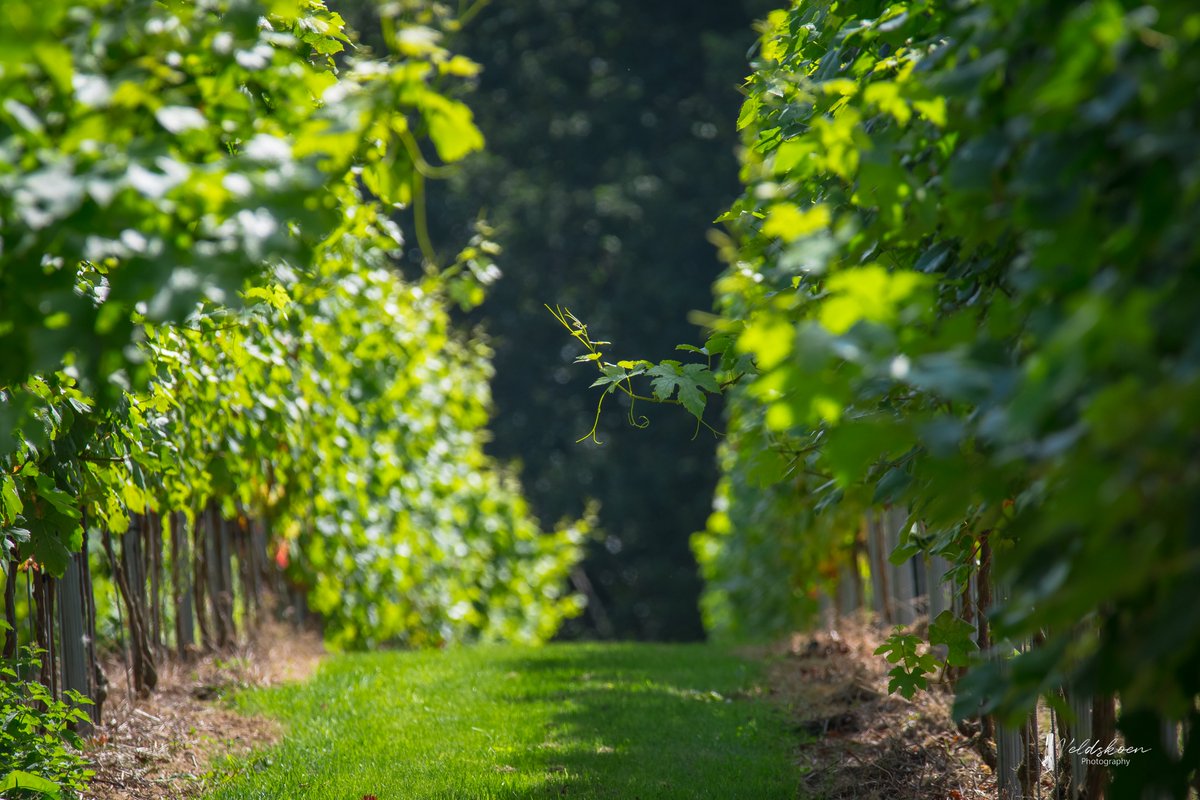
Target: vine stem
<point>465,17</point>
<point>421,220</point>
<point>419,162</point>
<point>10,610</point>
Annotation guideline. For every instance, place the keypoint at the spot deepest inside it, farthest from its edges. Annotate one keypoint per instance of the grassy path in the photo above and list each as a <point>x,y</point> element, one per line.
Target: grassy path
<point>576,721</point>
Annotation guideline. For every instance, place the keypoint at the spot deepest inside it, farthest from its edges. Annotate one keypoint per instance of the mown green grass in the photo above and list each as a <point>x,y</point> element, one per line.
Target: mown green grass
<point>577,721</point>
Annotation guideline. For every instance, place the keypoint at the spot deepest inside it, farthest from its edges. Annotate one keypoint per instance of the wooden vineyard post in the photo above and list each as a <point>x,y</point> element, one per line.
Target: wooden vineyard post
<point>212,576</point>
<point>256,546</point>
<point>226,597</point>
<point>181,586</point>
<point>218,569</point>
<point>200,578</point>
<point>1079,729</point>
<point>99,683</point>
<point>1009,746</point>
<point>154,568</point>
<point>849,586</point>
<point>1031,769</point>
<point>902,578</point>
<point>877,556</point>
<point>1010,741</point>
<point>938,600</point>
<point>1104,729</point>
<point>983,603</point>
<point>77,655</point>
<point>43,627</point>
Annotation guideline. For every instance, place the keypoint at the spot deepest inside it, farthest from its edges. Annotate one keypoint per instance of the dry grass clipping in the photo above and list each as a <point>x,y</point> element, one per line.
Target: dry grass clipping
<point>860,742</point>
<point>161,748</point>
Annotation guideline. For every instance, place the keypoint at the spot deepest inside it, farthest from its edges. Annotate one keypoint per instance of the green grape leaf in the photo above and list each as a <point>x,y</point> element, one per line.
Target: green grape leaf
<point>452,128</point>
<point>612,375</point>
<point>10,500</point>
<point>62,502</point>
<point>25,780</point>
<point>947,629</point>
<point>690,381</point>
<point>891,486</point>
<point>905,682</point>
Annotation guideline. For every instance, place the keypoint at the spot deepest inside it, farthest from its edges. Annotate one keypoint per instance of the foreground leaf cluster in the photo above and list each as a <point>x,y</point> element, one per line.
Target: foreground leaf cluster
<point>39,750</point>
<point>965,273</point>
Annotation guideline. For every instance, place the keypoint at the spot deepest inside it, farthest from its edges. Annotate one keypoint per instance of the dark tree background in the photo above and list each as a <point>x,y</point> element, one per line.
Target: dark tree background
<point>611,147</point>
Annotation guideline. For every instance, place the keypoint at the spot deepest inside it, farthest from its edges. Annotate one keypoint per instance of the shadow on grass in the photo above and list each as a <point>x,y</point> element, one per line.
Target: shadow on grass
<point>647,721</point>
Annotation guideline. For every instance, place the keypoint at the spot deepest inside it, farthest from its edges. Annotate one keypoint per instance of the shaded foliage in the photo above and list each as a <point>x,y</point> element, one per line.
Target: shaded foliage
<point>610,150</point>
<point>966,277</point>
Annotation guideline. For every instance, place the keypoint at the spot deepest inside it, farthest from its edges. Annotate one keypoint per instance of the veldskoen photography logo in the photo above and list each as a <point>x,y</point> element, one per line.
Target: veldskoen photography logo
<point>1093,751</point>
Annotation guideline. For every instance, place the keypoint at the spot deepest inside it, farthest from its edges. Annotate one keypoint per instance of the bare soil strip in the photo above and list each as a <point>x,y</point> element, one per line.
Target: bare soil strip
<point>859,742</point>
<point>162,747</point>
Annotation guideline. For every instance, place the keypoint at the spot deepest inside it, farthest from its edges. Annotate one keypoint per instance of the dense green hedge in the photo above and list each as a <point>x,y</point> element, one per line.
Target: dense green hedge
<point>198,306</point>
<point>966,272</point>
